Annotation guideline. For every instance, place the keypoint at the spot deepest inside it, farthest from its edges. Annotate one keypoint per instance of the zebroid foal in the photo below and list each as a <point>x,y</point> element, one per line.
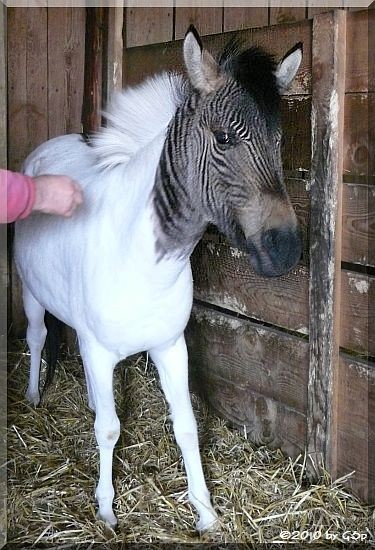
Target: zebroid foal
<point>176,155</point>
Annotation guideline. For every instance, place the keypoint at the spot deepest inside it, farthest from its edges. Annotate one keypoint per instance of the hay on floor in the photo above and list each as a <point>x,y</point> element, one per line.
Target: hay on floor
<point>259,494</point>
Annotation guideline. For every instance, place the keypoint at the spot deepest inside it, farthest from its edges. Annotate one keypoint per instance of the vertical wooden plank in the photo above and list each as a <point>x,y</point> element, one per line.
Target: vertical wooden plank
<point>17,90</point>
<point>237,18</point>
<point>371,46</point>
<point>148,25</point>
<point>36,77</point>
<point>207,20</point>
<point>357,129</point>
<point>3,89</point>
<point>114,51</point>
<point>66,51</point>
<point>328,74</point>
<point>27,107</point>
<point>358,37</point>
<point>356,441</point>
<point>289,12</point>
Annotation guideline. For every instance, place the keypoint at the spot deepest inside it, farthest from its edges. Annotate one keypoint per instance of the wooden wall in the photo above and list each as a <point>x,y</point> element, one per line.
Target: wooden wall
<point>45,67</point>
<point>45,76</point>
<point>250,338</point>
<point>250,346</point>
<point>151,25</point>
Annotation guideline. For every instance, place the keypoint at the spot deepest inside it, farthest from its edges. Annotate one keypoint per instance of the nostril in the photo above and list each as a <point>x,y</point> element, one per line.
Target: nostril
<point>273,239</point>
<point>282,245</point>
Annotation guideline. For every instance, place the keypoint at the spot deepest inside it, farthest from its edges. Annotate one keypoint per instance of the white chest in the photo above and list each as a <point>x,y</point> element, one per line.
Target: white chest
<point>139,311</point>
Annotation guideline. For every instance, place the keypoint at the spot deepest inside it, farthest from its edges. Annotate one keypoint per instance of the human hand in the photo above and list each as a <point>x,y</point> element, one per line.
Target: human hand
<point>58,195</point>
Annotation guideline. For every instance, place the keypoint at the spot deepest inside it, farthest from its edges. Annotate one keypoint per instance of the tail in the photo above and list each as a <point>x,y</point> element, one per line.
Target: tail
<point>52,346</point>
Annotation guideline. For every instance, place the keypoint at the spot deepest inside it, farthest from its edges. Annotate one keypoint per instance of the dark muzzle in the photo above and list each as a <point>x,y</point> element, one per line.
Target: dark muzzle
<point>277,253</point>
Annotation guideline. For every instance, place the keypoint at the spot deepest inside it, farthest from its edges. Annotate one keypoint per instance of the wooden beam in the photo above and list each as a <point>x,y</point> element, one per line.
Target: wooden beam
<point>356,433</point>
<point>328,92</point>
<point>252,375</point>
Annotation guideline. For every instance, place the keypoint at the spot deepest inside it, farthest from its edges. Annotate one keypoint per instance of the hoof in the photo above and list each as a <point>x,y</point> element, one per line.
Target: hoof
<point>208,522</point>
<point>33,397</point>
<point>109,519</point>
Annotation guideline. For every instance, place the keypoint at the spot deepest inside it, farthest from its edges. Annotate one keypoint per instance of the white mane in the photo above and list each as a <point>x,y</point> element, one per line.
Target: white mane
<point>136,116</point>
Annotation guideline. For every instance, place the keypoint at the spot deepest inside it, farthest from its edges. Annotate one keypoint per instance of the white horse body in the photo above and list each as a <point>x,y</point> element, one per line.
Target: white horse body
<point>99,273</point>
<point>172,159</point>
<point>125,297</point>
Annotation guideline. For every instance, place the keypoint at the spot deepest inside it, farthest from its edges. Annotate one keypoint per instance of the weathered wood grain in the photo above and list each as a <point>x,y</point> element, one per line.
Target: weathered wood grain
<point>238,18</point>
<point>313,11</point>
<point>66,54</point>
<point>149,25</point>
<point>358,135</point>
<point>93,82</point>
<point>223,277</point>
<point>356,431</point>
<point>27,107</point>
<point>18,140</point>
<point>328,69</point>
<point>36,77</point>
<point>357,52</point>
<point>115,50</point>
<point>253,376</point>
<point>295,11</point>
<point>296,126</point>
<point>207,20</point>
<point>357,313</point>
<point>371,48</point>
<point>358,224</point>
<point>141,62</point>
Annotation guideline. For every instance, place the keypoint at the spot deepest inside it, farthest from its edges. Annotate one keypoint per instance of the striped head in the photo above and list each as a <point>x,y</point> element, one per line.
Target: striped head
<point>221,162</point>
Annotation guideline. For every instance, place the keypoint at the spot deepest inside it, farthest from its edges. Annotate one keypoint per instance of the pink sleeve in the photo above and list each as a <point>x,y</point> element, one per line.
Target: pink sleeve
<point>17,196</point>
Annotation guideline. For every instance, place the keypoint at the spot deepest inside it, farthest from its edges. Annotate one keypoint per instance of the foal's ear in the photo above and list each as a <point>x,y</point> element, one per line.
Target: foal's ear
<point>288,67</point>
<point>203,71</point>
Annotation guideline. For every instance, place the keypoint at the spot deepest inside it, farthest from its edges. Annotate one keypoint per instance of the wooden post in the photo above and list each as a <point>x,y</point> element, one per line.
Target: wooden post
<point>114,40</point>
<point>93,88</point>
<point>103,61</point>
<point>328,93</point>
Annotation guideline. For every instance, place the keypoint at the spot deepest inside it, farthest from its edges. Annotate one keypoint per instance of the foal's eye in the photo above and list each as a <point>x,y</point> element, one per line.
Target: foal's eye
<point>225,138</point>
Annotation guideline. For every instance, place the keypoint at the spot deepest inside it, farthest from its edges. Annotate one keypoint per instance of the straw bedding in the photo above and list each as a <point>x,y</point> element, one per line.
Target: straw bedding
<point>53,467</point>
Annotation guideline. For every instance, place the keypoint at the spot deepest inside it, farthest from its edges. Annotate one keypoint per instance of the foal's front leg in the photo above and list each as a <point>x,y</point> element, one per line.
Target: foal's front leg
<point>99,365</point>
<point>172,365</point>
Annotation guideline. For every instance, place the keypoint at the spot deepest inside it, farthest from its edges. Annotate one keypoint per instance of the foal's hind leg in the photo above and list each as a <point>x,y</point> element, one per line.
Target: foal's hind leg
<point>35,336</point>
<point>172,364</point>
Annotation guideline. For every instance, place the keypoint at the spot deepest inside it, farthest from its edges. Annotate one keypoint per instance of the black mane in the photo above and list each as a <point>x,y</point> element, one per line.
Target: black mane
<point>254,69</point>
